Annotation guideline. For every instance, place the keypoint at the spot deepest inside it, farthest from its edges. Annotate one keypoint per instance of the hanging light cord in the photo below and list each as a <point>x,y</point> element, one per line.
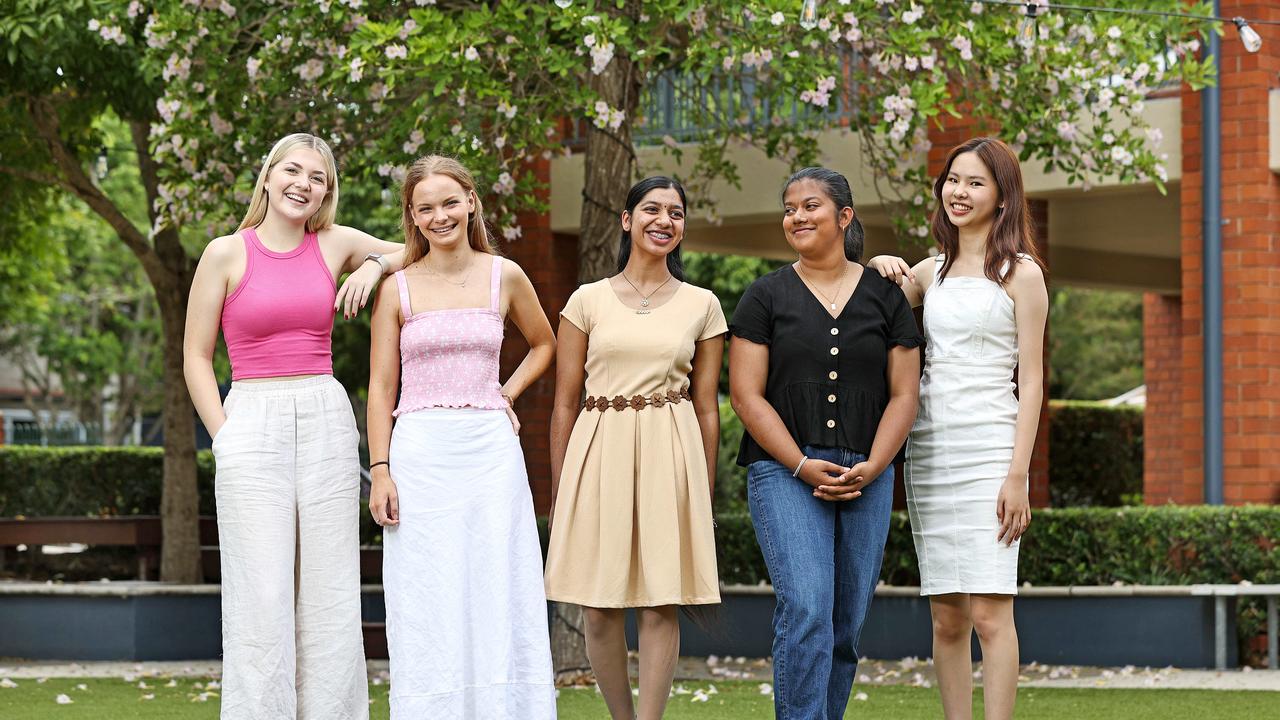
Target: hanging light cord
<point>1122,11</point>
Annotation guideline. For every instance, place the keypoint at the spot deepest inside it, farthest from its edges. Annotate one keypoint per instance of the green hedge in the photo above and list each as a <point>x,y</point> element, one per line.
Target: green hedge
<point>1166,545</point>
<point>1095,454</point>
<point>92,481</point>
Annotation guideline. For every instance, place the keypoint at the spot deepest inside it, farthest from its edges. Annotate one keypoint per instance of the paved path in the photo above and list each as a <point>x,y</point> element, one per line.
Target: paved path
<point>908,671</point>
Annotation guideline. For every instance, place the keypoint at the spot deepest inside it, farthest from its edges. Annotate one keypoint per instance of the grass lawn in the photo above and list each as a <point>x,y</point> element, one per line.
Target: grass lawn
<point>115,699</point>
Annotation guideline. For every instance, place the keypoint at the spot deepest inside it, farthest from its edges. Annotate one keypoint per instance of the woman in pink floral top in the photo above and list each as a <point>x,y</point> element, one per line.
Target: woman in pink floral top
<point>462,569</point>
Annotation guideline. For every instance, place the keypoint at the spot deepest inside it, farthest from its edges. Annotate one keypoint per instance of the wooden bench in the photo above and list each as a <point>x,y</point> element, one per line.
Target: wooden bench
<point>139,531</point>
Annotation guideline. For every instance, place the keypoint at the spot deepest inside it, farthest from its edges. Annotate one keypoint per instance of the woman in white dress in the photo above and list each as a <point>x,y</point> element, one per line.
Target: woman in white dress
<point>968,454</point>
<point>462,567</point>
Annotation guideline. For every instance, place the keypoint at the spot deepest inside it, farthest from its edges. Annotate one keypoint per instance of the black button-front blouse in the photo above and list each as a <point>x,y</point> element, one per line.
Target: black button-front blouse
<point>828,377</point>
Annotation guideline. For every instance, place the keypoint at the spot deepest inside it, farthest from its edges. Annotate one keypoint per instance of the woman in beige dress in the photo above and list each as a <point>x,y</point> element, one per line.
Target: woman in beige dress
<point>632,465</point>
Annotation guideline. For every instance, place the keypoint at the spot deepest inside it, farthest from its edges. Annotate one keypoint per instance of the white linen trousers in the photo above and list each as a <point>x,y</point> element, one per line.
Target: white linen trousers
<point>466,610</point>
<point>961,445</point>
<point>288,489</point>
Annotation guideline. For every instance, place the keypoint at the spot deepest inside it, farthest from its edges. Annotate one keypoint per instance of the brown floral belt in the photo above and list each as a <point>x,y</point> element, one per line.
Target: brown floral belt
<point>636,402</point>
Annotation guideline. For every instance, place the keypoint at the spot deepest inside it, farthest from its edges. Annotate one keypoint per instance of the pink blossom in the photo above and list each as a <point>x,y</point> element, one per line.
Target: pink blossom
<point>310,70</point>
<point>601,56</point>
<point>471,53</point>
<point>357,69</point>
<point>777,19</point>
<point>220,127</point>
<point>511,232</point>
<point>964,45</point>
<point>227,9</point>
<point>394,52</point>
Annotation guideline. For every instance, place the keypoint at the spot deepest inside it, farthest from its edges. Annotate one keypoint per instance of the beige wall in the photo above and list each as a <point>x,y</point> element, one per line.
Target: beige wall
<point>1114,235</point>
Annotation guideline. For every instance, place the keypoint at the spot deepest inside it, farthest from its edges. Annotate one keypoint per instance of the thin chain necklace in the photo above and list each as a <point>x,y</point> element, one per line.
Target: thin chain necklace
<point>831,300</point>
<point>442,276</point>
<point>644,299</point>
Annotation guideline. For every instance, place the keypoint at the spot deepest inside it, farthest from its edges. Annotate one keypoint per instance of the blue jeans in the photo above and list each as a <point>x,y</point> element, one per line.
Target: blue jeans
<point>824,561</point>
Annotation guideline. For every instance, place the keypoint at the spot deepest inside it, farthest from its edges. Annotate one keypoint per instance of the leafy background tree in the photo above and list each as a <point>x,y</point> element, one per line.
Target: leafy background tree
<point>204,87</point>
<point>1096,343</point>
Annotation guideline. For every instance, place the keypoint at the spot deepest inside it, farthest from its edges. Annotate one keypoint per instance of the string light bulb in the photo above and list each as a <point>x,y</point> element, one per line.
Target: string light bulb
<point>1027,26</point>
<point>100,164</point>
<point>809,14</point>
<point>1248,36</point>
<point>386,192</point>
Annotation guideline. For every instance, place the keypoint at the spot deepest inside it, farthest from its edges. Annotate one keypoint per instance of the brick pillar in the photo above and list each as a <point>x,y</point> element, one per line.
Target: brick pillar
<point>1162,478</point>
<point>551,262</point>
<point>1251,254</point>
<point>954,132</point>
<point>1040,453</point>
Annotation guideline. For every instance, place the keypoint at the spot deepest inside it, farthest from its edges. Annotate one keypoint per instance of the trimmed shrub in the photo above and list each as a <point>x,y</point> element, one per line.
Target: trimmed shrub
<point>1095,454</point>
<point>90,481</point>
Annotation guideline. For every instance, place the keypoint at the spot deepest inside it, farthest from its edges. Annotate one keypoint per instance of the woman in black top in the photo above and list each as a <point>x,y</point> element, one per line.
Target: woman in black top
<point>824,372</point>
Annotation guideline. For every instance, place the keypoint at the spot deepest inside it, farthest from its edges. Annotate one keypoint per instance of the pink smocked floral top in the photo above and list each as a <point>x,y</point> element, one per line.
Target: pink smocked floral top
<point>449,358</point>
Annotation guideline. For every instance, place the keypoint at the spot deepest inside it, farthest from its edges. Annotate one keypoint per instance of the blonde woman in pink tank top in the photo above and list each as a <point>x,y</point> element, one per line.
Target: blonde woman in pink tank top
<point>462,566</point>
<point>285,441</point>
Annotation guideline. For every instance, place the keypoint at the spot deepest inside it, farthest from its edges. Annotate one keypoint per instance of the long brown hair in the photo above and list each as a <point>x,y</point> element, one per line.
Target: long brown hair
<point>1013,230</point>
<point>416,245</point>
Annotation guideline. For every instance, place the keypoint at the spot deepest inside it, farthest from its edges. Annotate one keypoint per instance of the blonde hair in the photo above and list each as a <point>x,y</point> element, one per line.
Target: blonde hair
<point>323,217</point>
<point>416,245</point>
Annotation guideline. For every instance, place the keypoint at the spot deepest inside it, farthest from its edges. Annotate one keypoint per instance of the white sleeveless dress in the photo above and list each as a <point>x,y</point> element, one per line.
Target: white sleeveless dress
<point>961,445</point>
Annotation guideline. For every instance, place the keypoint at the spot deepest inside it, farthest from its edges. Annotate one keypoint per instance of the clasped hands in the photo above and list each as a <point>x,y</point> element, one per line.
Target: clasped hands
<point>835,483</point>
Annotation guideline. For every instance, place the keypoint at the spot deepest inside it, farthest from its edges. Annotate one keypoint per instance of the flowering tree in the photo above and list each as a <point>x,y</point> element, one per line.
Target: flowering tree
<point>498,84</point>
<point>210,84</point>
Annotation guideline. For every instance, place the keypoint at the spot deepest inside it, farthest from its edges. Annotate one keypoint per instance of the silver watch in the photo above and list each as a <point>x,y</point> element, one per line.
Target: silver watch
<point>382,262</point>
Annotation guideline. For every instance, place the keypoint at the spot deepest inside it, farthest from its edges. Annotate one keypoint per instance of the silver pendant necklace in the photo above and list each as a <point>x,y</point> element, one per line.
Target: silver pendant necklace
<point>644,299</point>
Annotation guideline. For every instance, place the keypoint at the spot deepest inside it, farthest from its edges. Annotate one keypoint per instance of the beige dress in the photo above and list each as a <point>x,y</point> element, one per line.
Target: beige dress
<point>633,512</point>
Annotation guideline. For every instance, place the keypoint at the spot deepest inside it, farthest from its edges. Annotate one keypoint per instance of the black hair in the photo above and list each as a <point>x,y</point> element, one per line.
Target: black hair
<point>837,188</point>
<point>637,192</point>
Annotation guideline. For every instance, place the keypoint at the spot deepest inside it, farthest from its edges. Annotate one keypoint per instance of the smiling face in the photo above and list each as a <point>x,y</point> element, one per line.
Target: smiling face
<point>810,218</point>
<point>657,223</point>
<point>439,208</point>
<point>969,193</point>
<point>297,185</point>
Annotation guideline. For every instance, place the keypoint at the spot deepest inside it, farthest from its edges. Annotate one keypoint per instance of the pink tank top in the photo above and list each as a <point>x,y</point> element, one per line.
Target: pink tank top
<point>449,358</point>
<point>279,319</point>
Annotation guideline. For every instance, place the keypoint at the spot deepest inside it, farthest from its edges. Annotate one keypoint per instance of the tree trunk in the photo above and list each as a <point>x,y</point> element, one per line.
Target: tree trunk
<point>609,169</point>
<point>179,501</point>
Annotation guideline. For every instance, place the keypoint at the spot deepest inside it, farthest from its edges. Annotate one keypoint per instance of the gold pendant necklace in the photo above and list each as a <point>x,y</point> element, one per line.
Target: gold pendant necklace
<point>839,286</point>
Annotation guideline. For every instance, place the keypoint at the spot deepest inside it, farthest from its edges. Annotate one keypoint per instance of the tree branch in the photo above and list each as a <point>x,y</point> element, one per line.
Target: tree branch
<point>47,124</point>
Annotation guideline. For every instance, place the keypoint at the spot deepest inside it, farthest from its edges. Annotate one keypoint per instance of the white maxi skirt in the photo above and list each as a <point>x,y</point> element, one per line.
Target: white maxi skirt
<point>466,610</point>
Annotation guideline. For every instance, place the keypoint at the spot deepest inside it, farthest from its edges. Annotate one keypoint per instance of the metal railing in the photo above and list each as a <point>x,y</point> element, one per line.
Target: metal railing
<point>677,105</point>
<point>29,432</point>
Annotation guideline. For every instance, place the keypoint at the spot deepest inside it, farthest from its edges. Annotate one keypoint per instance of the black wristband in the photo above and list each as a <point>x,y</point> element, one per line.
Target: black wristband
<point>380,462</point>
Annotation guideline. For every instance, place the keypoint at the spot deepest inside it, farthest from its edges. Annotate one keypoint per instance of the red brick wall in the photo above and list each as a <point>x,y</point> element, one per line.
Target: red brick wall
<point>551,262</point>
<point>1251,276</point>
<point>1162,478</point>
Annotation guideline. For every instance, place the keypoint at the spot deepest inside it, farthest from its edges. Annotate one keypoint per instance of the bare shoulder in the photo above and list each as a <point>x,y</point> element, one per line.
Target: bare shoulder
<point>511,270</point>
<point>1026,275</point>
<point>338,234</point>
<point>223,250</point>
<point>924,272</point>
